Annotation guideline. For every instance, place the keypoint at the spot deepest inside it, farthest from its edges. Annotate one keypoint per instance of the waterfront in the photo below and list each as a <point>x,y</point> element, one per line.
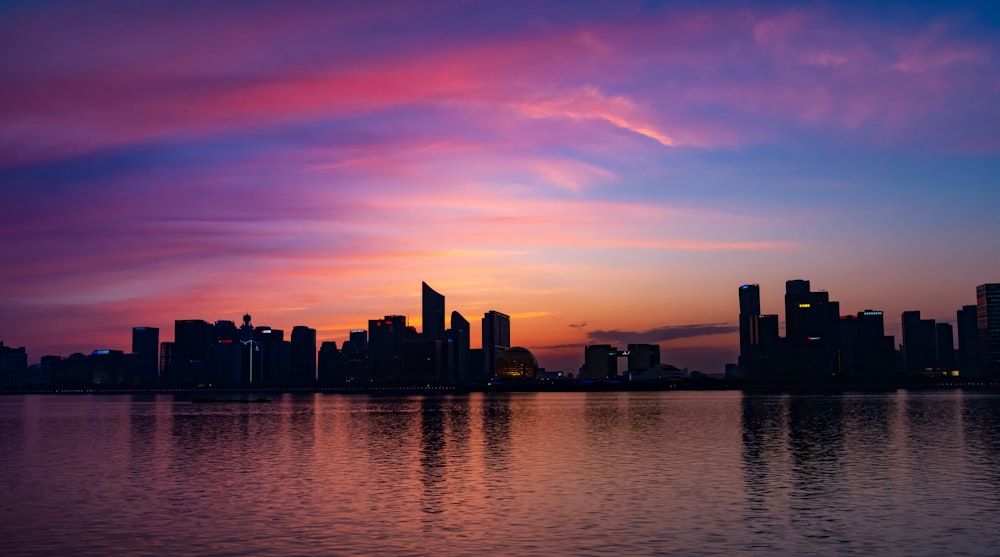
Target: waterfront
<point>604,473</point>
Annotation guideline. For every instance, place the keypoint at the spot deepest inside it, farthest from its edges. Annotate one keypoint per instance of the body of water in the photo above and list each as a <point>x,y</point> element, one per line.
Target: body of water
<point>678,473</point>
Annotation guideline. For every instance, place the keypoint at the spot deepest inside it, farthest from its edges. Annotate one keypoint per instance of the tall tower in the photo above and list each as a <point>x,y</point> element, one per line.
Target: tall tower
<point>146,350</point>
<point>496,339</point>
<point>968,340</point>
<point>944,340</point>
<point>988,324</point>
<point>749,308</point>
<point>303,355</point>
<point>919,344</point>
<point>385,347</point>
<point>433,312</point>
<point>460,339</point>
<point>812,329</point>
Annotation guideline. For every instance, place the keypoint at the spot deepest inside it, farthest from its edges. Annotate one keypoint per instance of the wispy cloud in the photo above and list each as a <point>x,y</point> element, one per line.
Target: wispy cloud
<point>660,334</point>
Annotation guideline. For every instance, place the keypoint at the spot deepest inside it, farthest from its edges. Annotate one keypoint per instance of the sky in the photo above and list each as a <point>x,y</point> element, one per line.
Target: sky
<point>602,172</point>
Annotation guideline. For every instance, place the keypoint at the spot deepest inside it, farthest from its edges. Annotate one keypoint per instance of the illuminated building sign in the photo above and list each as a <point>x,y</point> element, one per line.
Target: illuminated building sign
<point>871,312</point>
<point>801,306</point>
<point>100,352</point>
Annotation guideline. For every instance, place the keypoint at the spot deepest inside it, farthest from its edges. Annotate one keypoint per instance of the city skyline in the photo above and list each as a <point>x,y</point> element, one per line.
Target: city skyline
<point>605,174</point>
<point>497,326</point>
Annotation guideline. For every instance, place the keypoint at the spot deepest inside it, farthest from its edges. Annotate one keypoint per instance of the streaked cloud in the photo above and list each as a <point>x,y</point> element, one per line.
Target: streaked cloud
<point>661,334</point>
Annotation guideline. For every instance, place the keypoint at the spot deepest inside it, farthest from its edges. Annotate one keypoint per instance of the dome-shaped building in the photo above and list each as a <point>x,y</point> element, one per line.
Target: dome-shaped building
<point>516,363</point>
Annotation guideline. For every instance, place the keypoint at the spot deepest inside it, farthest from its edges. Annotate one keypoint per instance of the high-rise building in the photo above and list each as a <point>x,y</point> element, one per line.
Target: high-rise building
<point>496,339</point>
<point>874,353</point>
<point>228,354</point>
<point>332,367</point>
<point>385,347</point>
<point>808,315</point>
<point>766,346</point>
<point>359,341</point>
<point>193,339</point>
<point>642,357</point>
<point>968,340</point>
<point>600,361</point>
<point>988,324</point>
<point>146,351</point>
<point>13,366</point>
<point>274,356</point>
<point>424,361</point>
<point>919,346</point>
<point>460,338</point>
<point>432,312</point>
<point>749,308</point>
<point>303,362</point>
<point>812,330</point>
<point>944,342</point>
<point>191,361</point>
<point>871,324</point>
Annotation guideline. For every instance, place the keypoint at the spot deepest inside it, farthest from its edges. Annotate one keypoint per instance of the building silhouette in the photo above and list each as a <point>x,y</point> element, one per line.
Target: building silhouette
<point>988,324</point>
<point>919,344</point>
<point>460,337</point>
<point>13,366</point>
<point>146,351</point>
<point>385,348</point>
<point>749,310</point>
<point>496,339</point>
<point>642,357</point>
<point>812,330</point>
<point>819,344</point>
<point>331,368</point>
<point>944,347</point>
<point>874,355</point>
<point>516,364</point>
<point>303,356</point>
<point>432,310</point>
<point>968,340</point>
<point>600,361</point>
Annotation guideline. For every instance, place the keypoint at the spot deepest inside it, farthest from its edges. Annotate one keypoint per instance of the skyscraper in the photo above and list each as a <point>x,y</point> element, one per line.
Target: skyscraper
<point>642,357</point>
<point>874,353</point>
<point>191,360</point>
<point>812,329</point>
<point>808,315</point>
<point>460,338</point>
<point>13,366</point>
<point>944,337</point>
<point>303,355</point>
<point>749,308</point>
<point>988,324</point>
<point>385,347</point>
<point>146,351</point>
<point>919,346</point>
<point>968,340</point>
<point>496,338</point>
<point>433,313</point>
<point>600,361</point>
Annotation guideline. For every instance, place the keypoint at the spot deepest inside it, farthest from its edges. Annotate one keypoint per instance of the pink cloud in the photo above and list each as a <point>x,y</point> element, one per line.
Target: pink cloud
<point>570,73</point>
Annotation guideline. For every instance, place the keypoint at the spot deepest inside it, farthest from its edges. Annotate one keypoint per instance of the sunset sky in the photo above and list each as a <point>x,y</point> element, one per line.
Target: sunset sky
<point>603,172</point>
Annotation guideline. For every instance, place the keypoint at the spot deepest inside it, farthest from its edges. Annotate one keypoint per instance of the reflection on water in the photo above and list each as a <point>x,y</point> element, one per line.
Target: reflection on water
<point>692,473</point>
